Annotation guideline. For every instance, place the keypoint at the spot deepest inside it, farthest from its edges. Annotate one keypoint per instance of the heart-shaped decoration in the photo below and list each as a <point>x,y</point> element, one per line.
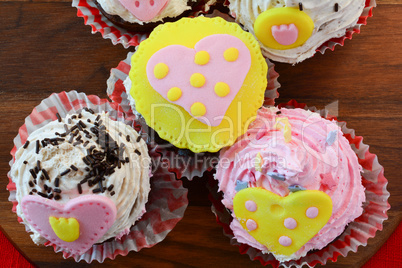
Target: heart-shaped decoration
<point>285,34</point>
<point>75,226</point>
<point>144,10</point>
<point>203,80</point>
<point>282,224</point>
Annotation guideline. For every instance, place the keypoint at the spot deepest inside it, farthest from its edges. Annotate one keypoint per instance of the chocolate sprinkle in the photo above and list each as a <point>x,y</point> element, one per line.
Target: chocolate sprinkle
<point>138,139</point>
<point>98,117</point>
<point>97,190</point>
<point>31,184</point>
<point>278,112</point>
<point>137,152</point>
<point>42,194</point>
<point>33,173</point>
<point>86,143</point>
<point>65,172</point>
<point>300,6</point>
<point>57,197</point>
<point>112,193</point>
<point>57,182</point>
<point>34,190</point>
<point>91,111</point>
<point>128,137</point>
<point>37,146</point>
<point>44,172</point>
<point>79,188</point>
<point>38,165</point>
<point>57,190</point>
<point>69,121</point>
<point>25,162</point>
<point>110,187</point>
<point>58,117</point>
<point>26,144</point>
<point>73,167</point>
<point>336,7</point>
<point>50,196</point>
<point>45,187</point>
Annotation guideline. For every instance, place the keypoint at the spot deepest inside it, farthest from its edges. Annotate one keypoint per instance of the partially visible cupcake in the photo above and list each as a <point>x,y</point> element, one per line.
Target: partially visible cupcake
<point>292,31</point>
<point>292,183</point>
<point>82,182</point>
<point>144,15</point>
<point>198,82</point>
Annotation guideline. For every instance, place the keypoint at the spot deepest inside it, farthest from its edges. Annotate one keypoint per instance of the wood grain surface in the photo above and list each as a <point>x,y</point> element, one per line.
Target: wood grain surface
<point>46,48</point>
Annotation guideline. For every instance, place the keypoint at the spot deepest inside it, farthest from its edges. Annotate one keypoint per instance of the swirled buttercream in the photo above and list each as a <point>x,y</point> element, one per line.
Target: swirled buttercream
<point>85,154</point>
<point>330,19</point>
<point>318,157</point>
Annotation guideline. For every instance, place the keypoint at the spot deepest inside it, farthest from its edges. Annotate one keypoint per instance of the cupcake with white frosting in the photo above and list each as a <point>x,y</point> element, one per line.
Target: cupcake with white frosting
<point>82,181</point>
<point>292,31</point>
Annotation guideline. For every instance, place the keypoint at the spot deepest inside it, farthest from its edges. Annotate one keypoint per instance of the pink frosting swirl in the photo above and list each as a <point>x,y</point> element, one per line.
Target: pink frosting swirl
<point>311,159</point>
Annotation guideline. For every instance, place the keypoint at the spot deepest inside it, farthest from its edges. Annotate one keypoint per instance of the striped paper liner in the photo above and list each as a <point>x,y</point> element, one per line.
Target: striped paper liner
<point>88,10</point>
<point>330,44</point>
<point>182,162</point>
<point>356,233</point>
<point>167,199</point>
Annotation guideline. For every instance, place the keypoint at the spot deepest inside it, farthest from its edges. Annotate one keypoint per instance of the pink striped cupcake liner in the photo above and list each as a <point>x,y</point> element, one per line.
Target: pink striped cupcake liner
<point>92,16</point>
<point>183,163</point>
<point>356,233</point>
<point>167,199</point>
<point>87,10</point>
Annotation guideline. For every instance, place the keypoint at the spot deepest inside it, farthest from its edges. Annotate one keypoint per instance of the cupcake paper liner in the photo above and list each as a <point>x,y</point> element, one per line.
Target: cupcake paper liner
<point>167,199</point>
<point>182,162</point>
<point>92,16</point>
<point>330,44</point>
<point>356,233</point>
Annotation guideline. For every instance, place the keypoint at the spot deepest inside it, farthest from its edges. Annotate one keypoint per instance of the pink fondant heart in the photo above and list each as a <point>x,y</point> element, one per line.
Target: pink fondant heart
<point>144,10</point>
<point>285,34</point>
<point>180,60</point>
<point>95,215</point>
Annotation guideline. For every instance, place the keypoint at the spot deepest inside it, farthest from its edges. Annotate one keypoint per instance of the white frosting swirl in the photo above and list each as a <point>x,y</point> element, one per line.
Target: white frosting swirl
<point>307,160</point>
<point>327,23</point>
<point>173,9</point>
<point>131,184</point>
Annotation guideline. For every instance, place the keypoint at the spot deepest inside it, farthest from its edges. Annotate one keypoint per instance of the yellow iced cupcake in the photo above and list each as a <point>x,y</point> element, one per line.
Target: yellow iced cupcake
<point>198,82</point>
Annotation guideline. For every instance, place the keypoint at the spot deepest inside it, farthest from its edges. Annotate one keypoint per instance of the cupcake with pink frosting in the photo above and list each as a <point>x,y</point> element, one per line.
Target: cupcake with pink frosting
<point>292,183</point>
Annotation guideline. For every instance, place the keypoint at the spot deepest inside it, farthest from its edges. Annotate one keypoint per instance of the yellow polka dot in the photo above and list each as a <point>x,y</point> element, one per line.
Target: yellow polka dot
<point>231,54</point>
<point>198,109</point>
<point>161,70</point>
<point>174,94</point>
<point>222,89</point>
<point>197,80</point>
<point>201,58</point>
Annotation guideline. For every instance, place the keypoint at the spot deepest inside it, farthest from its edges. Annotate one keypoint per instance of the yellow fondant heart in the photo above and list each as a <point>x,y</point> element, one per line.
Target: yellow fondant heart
<point>67,230</point>
<point>282,224</point>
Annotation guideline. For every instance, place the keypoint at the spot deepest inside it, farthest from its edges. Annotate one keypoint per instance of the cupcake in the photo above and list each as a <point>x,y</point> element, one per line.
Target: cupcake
<point>183,162</point>
<point>198,82</point>
<point>83,181</point>
<point>292,183</point>
<point>145,15</point>
<point>292,31</point>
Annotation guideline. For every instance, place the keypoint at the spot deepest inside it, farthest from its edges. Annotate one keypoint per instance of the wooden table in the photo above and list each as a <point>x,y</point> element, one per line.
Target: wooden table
<point>45,48</point>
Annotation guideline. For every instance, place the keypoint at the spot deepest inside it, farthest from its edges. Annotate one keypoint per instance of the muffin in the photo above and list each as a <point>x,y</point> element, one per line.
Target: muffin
<point>292,183</point>
<point>82,182</point>
<point>143,16</point>
<point>292,31</point>
<point>198,82</point>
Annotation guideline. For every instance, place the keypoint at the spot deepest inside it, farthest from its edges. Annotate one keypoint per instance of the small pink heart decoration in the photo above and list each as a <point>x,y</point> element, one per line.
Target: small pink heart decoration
<point>210,75</point>
<point>144,10</point>
<point>95,215</point>
<point>285,34</point>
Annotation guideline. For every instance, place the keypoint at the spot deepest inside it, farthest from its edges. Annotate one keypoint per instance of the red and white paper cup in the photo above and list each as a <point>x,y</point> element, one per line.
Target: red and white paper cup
<point>163,211</point>
<point>92,16</point>
<point>183,163</point>
<point>356,233</point>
